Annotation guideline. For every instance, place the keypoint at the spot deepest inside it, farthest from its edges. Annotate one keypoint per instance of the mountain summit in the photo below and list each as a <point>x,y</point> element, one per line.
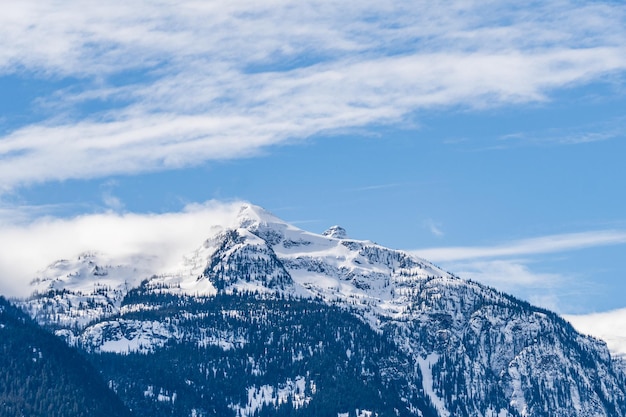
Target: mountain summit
<point>264,318</point>
<point>336,232</point>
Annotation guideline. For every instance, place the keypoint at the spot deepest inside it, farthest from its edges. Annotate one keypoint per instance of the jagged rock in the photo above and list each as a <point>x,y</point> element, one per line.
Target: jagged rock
<point>336,232</point>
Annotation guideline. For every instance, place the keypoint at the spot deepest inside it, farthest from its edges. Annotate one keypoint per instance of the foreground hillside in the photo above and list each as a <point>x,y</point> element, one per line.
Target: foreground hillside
<point>266,319</point>
<point>40,376</point>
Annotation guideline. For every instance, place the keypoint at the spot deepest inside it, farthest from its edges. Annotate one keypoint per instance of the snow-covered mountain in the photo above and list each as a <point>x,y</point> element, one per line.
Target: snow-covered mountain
<point>357,328</point>
<point>73,293</point>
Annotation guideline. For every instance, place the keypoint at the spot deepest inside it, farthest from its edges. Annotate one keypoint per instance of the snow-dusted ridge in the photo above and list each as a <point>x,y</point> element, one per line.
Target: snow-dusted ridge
<point>89,287</point>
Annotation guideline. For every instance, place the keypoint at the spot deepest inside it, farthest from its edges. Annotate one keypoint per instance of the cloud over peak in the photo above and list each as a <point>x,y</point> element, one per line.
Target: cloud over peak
<point>32,244</point>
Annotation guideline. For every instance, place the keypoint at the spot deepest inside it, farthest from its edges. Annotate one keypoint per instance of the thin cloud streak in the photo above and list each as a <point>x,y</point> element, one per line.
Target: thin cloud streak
<point>572,135</point>
<point>434,228</point>
<point>378,187</point>
<point>513,276</point>
<point>533,246</point>
<point>502,266</point>
<point>207,92</point>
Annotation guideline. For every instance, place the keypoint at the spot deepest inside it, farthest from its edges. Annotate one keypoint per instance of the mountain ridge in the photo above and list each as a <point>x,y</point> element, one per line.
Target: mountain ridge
<point>474,351</point>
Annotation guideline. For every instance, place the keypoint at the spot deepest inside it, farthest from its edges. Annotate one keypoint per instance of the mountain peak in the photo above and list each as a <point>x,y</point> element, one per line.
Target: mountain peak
<point>336,232</point>
<point>251,215</point>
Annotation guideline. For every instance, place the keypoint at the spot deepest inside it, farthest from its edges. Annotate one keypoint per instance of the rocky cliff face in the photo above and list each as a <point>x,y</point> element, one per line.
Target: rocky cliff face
<point>275,319</point>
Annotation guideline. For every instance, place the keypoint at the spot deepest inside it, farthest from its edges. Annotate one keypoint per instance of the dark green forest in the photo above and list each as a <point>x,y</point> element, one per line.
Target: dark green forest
<point>349,365</point>
<point>40,376</point>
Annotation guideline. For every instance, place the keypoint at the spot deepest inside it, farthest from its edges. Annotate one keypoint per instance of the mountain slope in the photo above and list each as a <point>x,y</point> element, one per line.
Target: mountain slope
<point>41,376</point>
<point>243,354</point>
<point>257,290</point>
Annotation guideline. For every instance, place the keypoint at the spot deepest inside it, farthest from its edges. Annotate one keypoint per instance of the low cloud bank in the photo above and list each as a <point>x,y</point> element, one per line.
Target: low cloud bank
<point>30,247</point>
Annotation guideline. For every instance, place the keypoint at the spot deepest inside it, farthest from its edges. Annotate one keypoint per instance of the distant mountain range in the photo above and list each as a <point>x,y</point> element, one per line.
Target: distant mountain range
<point>266,319</point>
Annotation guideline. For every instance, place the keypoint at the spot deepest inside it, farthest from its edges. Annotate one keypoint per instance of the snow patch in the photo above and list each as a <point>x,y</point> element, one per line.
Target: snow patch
<point>518,401</point>
<point>162,396</point>
<point>493,413</point>
<point>259,397</point>
<point>425,365</point>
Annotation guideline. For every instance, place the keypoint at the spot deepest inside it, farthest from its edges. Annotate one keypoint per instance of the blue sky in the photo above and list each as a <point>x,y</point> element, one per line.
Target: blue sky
<point>486,136</point>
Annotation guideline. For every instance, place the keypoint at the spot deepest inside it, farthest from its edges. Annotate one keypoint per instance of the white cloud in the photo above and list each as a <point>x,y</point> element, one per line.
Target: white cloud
<point>108,198</point>
<point>514,276</point>
<point>376,187</point>
<point>609,326</point>
<point>111,201</point>
<point>227,80</point>
<point>33,245</point>
<point>539,245</point>
<point>501,267</point>
<point>434,228</point>
<point>572,135</point>
<point>507,273</point>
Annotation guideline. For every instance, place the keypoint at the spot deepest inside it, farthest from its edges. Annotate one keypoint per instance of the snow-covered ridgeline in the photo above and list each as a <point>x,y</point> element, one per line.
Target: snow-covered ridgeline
<point>73,293</point>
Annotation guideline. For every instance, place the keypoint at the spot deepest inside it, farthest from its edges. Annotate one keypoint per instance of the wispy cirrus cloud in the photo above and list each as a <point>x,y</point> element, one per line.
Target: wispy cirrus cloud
<point>180,84</point>
<point>434,227</point>
<point>571,135</point>
<point>516,276</point>
<point>514,266</point>
<point>375,187</point>
<point>532,246</point>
